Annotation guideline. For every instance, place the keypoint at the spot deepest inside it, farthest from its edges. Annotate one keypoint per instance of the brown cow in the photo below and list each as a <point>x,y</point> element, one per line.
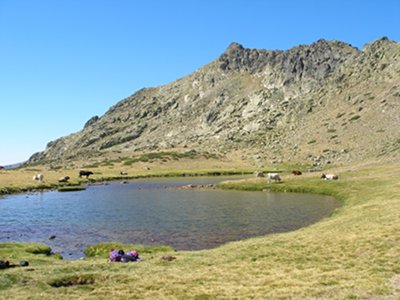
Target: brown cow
<point>64,179</point>
<point>296,172</point>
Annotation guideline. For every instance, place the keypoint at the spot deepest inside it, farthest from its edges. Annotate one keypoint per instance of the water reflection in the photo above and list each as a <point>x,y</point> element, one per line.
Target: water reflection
<point>152,212</point>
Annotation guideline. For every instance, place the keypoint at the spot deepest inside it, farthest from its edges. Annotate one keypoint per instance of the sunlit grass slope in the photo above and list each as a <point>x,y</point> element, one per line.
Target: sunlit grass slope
<point>354,254</point>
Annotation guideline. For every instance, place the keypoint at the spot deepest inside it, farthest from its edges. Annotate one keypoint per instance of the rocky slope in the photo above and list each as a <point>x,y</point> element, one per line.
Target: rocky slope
<point>327,102</point>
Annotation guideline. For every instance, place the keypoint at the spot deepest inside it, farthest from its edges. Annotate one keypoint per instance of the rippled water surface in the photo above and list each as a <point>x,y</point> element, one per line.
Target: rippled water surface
<point>154,212</point>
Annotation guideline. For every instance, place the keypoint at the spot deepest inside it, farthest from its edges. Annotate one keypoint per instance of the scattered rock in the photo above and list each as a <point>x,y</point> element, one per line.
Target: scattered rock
<point>197,186</point>
<point>256,99</point>
<point>24,263</point>
<point>29,269</point>
<point>168,257</point>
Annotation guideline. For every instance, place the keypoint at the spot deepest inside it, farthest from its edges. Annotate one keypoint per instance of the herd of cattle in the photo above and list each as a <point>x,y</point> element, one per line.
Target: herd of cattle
<point>39,177</point>
<point>275,176</point>
<point>270,176</point>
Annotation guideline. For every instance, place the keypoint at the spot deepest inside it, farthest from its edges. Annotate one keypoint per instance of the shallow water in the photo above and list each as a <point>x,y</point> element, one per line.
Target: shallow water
<point>154,212</point>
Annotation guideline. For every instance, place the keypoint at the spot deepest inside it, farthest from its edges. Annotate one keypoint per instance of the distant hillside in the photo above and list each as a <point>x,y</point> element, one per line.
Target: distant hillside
<point>13,166</point>
<point>323,103</point>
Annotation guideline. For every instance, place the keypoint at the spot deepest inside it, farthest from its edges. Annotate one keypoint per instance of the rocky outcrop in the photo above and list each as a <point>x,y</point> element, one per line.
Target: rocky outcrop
<point>322,103</point>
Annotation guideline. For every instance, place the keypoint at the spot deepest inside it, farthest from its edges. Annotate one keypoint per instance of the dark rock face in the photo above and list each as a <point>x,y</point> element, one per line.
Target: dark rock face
<point>91,121</point>
<point>308,102</point>
<point>236,57</point>
<point>314,61</point>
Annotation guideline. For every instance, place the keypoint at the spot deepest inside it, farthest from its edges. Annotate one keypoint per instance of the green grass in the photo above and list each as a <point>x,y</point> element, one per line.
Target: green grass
<point>164,156</point>
<point>71,188</point>
<point>177,173</point>
<point>25,188</point>
<point>61,187</point>
<point>13,249</point>
<point>315,185</point>
<point>103,249</point>
<point>353,254</point>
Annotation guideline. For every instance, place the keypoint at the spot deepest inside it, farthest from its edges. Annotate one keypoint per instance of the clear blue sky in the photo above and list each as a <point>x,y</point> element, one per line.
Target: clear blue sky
<point>62,62</point>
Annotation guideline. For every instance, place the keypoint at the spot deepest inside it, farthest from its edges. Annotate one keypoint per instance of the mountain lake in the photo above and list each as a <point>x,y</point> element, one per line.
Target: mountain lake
<point>154,212</point>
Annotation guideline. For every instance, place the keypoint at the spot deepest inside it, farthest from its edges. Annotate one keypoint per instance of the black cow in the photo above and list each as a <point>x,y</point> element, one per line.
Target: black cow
<point>85,173</point>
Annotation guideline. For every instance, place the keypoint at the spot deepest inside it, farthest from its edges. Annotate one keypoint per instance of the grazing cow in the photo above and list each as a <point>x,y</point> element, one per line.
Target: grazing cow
<point>296,172</point>
<point>258,174</point>
<point>64,179</point>
<point>123,173</point>
<point>329,177</point>
<point>38,177</point>
<point>85,173</point>
<point>273,176</point>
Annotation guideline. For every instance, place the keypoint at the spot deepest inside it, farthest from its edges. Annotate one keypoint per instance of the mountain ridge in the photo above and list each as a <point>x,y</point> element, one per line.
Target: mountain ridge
<point>326,102</point>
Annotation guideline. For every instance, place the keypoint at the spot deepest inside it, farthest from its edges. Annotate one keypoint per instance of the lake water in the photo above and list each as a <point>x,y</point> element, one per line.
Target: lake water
<point>154,212</point>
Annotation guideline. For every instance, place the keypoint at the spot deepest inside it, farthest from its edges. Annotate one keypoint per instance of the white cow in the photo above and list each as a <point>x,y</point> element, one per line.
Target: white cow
<point>329,177</point>
<point>38,177</point>
<point>273,176</point>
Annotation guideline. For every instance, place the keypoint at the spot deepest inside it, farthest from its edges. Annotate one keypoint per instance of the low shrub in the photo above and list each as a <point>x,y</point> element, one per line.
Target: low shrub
<point>353,118</point>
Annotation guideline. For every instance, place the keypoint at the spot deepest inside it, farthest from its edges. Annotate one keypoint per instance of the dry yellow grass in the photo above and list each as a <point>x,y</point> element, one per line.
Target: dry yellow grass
<point>22,179</point>
<point>351,255</point>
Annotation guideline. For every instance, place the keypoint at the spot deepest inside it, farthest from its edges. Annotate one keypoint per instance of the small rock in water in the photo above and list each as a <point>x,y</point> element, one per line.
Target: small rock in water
<point>52,237</point>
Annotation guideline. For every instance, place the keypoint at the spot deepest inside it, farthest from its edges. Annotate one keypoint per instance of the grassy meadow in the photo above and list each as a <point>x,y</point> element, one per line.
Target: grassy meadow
<point>160,164</point>
<point>353,254</point>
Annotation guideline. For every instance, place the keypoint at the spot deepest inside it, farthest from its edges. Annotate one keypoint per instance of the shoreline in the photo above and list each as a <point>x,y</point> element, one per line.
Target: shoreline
<point>351,254</point>
<point>52,186</point>
<point>71,252</point>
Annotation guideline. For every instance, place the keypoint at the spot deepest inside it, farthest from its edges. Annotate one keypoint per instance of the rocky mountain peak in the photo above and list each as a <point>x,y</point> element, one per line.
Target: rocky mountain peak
<point>234,47</point>
<point>317,102</point>
<point>380,46</point>
<point>315,61</point>
<point>236,58</point>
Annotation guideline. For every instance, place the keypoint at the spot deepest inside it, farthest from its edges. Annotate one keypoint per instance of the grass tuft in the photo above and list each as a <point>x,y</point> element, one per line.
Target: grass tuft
<point>72,280</point>
<point>71,188</point>
<point>102,249</point>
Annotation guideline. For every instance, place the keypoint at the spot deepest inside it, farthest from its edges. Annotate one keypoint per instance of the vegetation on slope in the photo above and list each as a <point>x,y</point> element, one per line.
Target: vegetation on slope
<point>323,103</point>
